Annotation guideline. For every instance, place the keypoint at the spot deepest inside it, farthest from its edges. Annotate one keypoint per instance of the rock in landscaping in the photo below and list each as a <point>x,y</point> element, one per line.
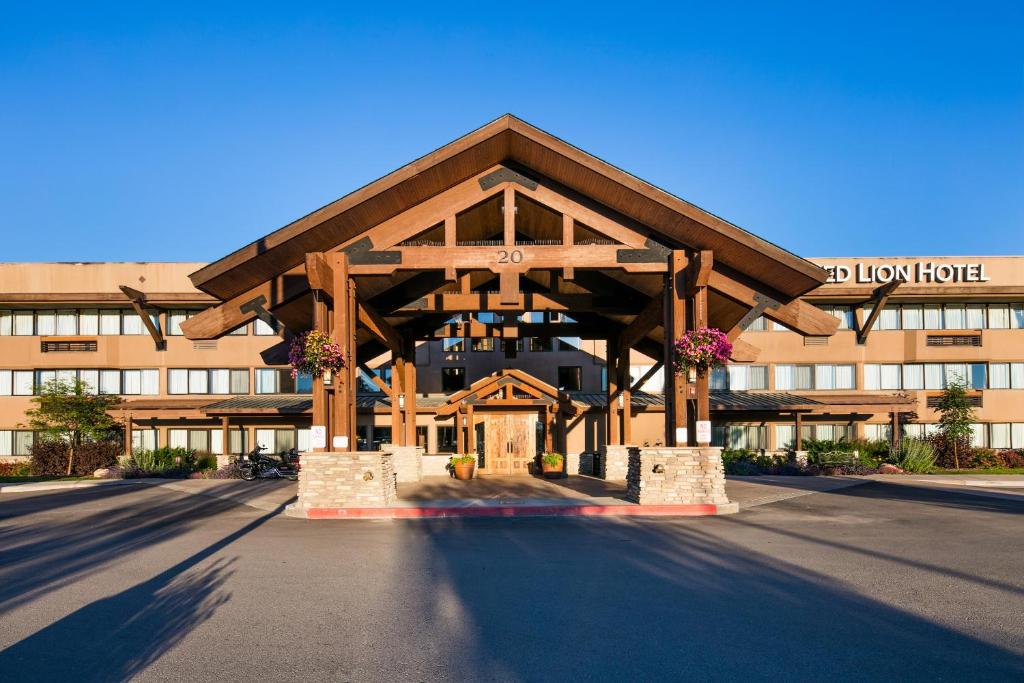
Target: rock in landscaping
<point>886,468</point>
<point>102,473</point>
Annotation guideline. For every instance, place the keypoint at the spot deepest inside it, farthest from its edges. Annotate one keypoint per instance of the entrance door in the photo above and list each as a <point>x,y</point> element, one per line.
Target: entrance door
<point>510,442</point>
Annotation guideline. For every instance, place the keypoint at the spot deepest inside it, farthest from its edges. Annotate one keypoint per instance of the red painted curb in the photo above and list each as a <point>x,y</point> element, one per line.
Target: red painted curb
<point>426,512</point>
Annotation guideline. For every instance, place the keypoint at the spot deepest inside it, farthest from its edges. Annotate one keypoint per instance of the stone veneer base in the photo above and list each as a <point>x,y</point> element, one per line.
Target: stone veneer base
<point>662,475</point>
<point>362,479</point>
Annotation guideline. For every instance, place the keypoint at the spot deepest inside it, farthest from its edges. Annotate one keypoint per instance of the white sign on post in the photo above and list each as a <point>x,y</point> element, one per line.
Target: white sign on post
<point>318,436</point>
<point>681,436</point>
<point>340,442</point>
<point>703,431</point>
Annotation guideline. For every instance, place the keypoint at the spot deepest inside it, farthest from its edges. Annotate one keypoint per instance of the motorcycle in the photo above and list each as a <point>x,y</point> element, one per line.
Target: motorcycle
<point>258,465</point>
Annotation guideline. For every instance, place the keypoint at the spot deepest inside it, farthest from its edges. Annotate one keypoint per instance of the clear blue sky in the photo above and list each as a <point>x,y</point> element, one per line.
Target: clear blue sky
<point>180,133</point>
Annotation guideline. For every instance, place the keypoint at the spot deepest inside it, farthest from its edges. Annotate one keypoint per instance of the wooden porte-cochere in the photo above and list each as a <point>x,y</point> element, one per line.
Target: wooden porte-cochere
<point>509,442</point>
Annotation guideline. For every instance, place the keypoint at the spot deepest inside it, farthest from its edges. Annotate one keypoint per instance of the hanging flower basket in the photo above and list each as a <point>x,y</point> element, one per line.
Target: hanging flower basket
<point>315,353</point>
<point>701,350</point>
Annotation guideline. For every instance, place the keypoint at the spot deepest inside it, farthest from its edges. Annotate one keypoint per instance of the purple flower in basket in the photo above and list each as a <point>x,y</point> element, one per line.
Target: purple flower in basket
<point>701,350</point>
<point>313,353</point>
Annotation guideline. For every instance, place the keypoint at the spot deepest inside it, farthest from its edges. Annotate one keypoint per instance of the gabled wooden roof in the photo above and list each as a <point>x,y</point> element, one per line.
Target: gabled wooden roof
<point>508,140</point>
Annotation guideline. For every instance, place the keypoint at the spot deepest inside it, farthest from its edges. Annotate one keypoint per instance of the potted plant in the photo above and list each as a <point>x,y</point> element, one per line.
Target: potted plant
<point>315,353</point>
<point>463,466</point>
<point>551,465</point>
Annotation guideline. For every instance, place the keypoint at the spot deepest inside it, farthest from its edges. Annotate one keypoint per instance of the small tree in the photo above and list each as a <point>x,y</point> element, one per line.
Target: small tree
<point>956,416</point>
<point>67,411</point>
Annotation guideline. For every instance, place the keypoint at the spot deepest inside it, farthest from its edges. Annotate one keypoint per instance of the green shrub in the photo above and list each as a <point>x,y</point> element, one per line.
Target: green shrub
<point>461,460</point>
<point>165,461</point>
<point>983,458</point>
<point>15,469</point>
<point>552,459</point>
<point>916,456</point>
<point>205,462</point>
<point>50,457</point>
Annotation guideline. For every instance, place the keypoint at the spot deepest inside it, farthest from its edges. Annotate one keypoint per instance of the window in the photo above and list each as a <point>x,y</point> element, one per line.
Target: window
<point>785,436</point>
<point>843,313</point>
<point>23,323</point>
<point>833,377</point>
<point>913,376</point>
<point>741,377</point>
<point>174,321</point>
<point>144,439</point>
<point>913,317</point>
<point>740,436</point>
<point>239,331</point>
<point>932,317</point>
<point>889,376</point>
<point>975,316</point>
<point>760,324</point>
<point>540,344</point>
<point>262,329</point>
<point>382,435</point>
<point>110,381</point>
<point>1017,316</point>
<point>1017,375</point>
<point>955,316</point>
<point>276,440</point>
<point>889,318</point>
<point>16,442</point>
<point>88,321</point>
<point>998,316</point>
<point>826,432</point>
<point>23,382</point>
<point>366,385</point>
<point>483,344</point>
<point>110,322</point>
<point>46,323</point>
<point>453,379</point>
<point>999,435</point>
<point>238,441</point>
<point>655,384</point>
<point>199,440</point>
<point>67,323</point>
<point>445,439</point>
<point>6,321</point>
<point>934,377</point>
<point>569,343</point>
<point>570,378</point>
<point>878,432</point>
<point>280,381</point>
<point>453,344</point>
<point>790,377</point>
<point>978,436</point>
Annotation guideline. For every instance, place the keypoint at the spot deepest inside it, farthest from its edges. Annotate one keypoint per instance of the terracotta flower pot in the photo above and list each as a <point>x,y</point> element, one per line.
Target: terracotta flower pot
<point>551,471</point>
<point>464,471</point>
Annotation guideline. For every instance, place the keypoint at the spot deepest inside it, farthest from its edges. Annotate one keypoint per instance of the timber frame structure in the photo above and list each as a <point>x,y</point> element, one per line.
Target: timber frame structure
<point>508,220</point>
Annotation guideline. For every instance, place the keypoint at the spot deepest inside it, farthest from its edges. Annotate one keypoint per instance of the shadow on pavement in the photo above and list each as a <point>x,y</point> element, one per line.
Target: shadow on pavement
<point>592,600</point>
<point>117,637</point>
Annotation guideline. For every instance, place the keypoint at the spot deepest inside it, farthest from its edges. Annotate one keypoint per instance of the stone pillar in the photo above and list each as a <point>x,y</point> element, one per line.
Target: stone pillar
<point>677,476</point>
<point>363,479</point>
<point>406,460</point>
<point>614,462</point>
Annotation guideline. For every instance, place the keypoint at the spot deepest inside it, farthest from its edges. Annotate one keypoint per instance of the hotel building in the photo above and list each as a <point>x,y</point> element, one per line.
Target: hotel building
<point>198,352</point>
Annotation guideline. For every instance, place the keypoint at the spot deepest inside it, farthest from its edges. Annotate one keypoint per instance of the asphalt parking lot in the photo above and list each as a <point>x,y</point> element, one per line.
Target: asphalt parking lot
<point>878,581</point>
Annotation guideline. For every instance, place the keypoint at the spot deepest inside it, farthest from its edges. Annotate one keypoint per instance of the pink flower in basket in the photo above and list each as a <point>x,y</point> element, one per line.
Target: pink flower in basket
<point>313,353</point>
<point>701,350</point>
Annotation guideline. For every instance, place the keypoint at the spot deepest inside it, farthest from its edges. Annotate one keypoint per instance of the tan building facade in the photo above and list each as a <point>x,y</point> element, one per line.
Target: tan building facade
<point>938,319</point>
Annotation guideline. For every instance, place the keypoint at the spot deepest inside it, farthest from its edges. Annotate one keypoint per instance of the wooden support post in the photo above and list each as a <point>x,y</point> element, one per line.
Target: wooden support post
<point>321,402</point>
<point>352,362</point>
<point>568,272</point>
<point>895,437</point>
<point>675,325</point>
<point>799,442</point>
<point>612,371</point>
<point>460,442</point>
<point>225,436</point>
<point>470,430</point>
<point>549,425</point>
<point>450,240</point>
<point>562,437</point>
<point>344,322</point>
<point>625,397</point>
<point>510,217</point>
<point>398,399</point>
<point>701,271</point>
<point>410,391</point>
<point>128,435</point>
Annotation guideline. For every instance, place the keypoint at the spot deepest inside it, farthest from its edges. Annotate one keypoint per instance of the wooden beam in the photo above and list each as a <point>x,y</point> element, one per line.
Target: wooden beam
<point>508,286</point>
<point>344,388</point>
<point>509,211</point>
<point>319,273</point>
<point>649,317</point>
<point>321,399</point>
<point>742,352</point>
<point>519,258</point>
<point>653,370</point>
<point>378,326</point>
<point>881,297</point>
<point>700,272</point>
<point>797,315</point>
<point>138,300</point>
<point>375,378</point>
<point>612,372</point>
<point>410,392</point>
<point>233,313</point>
<point>448,302</point>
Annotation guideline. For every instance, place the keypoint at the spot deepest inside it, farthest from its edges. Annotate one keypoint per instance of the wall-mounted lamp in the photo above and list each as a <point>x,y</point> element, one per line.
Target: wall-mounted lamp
<point>464,421</point>
<point>401,401</point>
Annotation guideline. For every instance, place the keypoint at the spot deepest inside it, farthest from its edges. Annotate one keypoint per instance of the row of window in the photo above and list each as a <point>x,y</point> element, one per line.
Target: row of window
<point>99,321</point>
<point>535,344</point>
<point>144,382</point>
<point>754,437</point>
<point>921,317</point>
<point>938,376</point>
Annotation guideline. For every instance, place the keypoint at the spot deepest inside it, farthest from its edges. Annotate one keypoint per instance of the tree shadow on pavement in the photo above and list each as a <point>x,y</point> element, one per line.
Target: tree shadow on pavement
<point>117,637</point>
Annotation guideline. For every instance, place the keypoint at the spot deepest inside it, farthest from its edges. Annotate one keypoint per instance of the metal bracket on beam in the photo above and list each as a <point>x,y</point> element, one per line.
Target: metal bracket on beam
<point>258,308</point>
<point>506,175</point>
<point>761,304</point>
